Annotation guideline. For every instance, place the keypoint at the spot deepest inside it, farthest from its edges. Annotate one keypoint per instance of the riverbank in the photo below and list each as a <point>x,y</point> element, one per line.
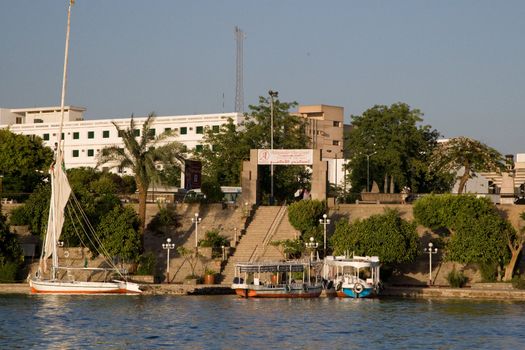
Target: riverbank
<point>490,292</point>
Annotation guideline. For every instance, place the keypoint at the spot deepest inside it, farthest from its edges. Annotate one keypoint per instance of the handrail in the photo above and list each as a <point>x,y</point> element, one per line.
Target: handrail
<point>273,228</point>
<point>253,253</point>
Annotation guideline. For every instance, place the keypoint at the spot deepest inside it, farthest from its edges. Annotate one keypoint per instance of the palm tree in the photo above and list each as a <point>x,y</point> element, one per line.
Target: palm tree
<point>142,154</point>
<point>470,154</point>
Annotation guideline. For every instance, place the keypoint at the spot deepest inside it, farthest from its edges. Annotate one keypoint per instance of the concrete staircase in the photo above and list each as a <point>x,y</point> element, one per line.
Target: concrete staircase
<point>254,245</point>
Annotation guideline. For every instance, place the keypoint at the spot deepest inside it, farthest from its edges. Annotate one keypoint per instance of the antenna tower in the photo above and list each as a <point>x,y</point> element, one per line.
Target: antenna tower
<point>239,90</point>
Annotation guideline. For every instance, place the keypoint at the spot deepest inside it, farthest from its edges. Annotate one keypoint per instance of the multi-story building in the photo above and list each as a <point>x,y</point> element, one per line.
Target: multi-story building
<point>325,128</point>
<point>83,139</point>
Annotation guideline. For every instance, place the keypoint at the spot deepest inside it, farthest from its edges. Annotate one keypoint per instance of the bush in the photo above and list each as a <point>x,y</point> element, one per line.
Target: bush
<point>212,191</point>
<point>489,271</point>
<point>216,241</point>
<point>8,272</point>
<point>147,264</point>
<point>305,214</point>
<point>19,216</point>
<point>456,279</point>
<point>386,235</point>
<point>167,216</point>
<point>518,282</point>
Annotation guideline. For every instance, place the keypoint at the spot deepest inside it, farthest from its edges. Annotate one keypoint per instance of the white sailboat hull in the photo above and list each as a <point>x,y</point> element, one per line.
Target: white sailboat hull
<point>78,287</point>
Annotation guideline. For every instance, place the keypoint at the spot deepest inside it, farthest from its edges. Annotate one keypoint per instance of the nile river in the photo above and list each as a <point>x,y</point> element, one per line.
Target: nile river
<point>228,322</point>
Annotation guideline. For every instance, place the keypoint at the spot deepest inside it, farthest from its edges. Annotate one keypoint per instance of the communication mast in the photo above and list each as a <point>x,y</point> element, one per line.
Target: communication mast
<point>239,90</point>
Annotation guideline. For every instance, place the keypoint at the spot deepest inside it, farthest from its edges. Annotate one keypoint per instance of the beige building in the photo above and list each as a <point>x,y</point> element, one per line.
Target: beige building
<point>325,128</point>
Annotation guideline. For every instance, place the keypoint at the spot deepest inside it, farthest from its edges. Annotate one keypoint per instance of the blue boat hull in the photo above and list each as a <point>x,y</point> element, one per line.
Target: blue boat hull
<point>349,292</point>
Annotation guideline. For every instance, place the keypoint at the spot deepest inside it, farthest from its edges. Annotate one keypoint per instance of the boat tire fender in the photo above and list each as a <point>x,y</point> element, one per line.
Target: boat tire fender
<point>358,288</point>
<point>339,286</point>
<point>287,288</point>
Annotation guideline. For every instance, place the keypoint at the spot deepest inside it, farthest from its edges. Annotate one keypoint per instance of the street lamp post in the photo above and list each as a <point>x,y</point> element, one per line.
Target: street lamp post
<point>273,94</point>
<point>311,246</point>
<point>368,170</point>
<point>430,250</point>
<point>196,220</point>
<point>168,246</point>
<point>324,221</point>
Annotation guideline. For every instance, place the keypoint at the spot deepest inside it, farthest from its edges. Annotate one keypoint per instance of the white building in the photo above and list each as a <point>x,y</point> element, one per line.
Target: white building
<point>83,139</point>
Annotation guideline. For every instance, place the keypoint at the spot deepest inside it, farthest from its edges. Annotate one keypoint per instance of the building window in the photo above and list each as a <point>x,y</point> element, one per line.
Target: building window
<point>337,124</point>
<point>152,133</point>
<point>216,128</point>
<point>76,135</point>
<point>18,120</point>
<point>167,129</point>
<point>198,148</point>
<point>336,143</point>
<point>105,134</point>
<point>199,130</point>
<point>136,132</point>
<point>183,130</point>
<point>91,153</point>
<point>120,133</point>
<point>91,134</point>
<point>45,137</point>
<point>75,153</point>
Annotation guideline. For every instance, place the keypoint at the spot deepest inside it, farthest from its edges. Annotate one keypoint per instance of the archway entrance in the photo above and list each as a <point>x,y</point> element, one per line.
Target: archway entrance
<point>250,180</point>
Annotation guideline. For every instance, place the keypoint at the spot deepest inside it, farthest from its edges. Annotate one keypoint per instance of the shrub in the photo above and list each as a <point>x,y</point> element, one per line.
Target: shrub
<point>290,248</point>
<point>305,214</point>
<point>214,240</point>
<point>212,191</point>
<point>19,216</point>
<point>147,264</point>
<point>518,282</point>
<point>386,235</point>
<point>167,216</point>
<point>8,272</point>
<point>489,271</point>
<point>456,279</point>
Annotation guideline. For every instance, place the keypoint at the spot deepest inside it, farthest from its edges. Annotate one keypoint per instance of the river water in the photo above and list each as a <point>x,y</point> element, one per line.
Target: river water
<point>228,322</point>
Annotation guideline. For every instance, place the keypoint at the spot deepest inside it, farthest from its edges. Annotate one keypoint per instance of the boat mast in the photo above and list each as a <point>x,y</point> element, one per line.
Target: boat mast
<point>58,155</point>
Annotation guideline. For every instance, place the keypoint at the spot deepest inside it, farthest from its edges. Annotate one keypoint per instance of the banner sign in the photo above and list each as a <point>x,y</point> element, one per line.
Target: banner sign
<point>285,156</point>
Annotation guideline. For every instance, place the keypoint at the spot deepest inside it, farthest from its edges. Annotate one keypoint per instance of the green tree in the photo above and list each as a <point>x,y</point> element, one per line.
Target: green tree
<point>475,231</point>
<point>24,162</point>
<point>212,191</point>
<point>224,150</point>
<point>141,154</point>
<point>471,155</point>
<point>386,235</point>
<point>304,215</point>
<point>223,153</point>
<point>10,252</point>
<point>94,193</point>
<point>397,147</point>
<point>119,233</point>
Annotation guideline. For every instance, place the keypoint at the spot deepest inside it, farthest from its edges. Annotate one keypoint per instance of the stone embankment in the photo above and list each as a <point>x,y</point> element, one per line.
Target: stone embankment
<point>487,292</point>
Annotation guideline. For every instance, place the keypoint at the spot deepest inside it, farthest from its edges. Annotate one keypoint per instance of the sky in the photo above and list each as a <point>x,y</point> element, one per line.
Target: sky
<point>460,62</point>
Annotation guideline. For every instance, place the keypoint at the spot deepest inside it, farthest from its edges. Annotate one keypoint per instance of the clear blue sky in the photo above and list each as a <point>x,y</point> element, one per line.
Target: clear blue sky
<point>462,63</point>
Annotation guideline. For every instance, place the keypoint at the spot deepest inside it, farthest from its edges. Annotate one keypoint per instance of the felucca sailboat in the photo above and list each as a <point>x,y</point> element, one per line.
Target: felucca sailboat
<point>60,194</point>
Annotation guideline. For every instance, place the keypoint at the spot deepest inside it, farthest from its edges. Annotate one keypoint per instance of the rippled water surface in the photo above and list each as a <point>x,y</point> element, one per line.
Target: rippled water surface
<point>227,322</point>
